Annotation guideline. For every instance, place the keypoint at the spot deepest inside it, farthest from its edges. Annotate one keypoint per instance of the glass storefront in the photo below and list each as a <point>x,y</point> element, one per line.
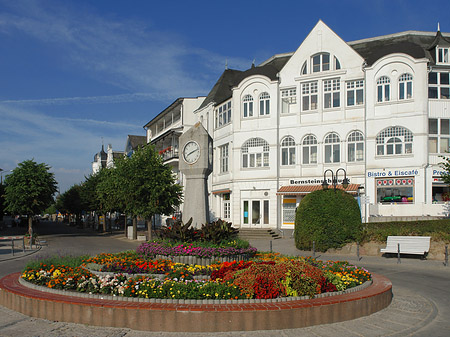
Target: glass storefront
<point>395,190</point>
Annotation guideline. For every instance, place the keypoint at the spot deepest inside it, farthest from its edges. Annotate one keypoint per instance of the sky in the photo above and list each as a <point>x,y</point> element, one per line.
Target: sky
<point>78,74</point>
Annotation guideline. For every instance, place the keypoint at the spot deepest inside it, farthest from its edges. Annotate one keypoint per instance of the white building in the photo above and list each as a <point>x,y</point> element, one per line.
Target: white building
<point>378,108</point>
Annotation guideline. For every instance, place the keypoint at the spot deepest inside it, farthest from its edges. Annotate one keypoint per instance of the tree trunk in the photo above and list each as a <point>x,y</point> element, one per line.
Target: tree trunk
<point>149,229</point>
<point>134,227</point>
<point>126,225</point>
<point>104,222</point>
<point>30,230</point>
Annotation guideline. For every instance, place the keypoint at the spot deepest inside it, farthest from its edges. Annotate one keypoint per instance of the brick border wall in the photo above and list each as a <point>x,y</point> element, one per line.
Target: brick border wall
<point>194,317</point>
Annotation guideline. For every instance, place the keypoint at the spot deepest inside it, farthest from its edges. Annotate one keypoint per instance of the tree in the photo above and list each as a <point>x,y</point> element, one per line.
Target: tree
<point>29,190</point>
<point>71,201</point>
<point>2,200</point>
<point>146,185</point>
<point>331,218</point>
<point>446,166</point>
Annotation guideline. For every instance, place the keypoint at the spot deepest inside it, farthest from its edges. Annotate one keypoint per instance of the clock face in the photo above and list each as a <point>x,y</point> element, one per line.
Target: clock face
<point>191,152</point>
<point>210,153</point>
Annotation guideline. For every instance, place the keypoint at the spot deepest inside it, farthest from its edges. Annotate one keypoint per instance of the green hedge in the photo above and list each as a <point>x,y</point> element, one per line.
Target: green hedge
<point>379,231</point>
<point>331,218</point>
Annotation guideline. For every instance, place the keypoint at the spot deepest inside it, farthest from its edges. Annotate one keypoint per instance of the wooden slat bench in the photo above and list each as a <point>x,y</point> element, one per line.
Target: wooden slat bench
<point>419,245</point>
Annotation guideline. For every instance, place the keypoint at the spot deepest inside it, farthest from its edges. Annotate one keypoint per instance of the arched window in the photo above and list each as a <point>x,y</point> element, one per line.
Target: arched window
<point>320,62</point>
<point>248,106</point>
<point>393,141</point>
<point>405,86</point>
<point>255,153</point>
<point>383,89</point>
<point>264,104</point>
<point>288,151</point>
<point>355,143</point>
<point>332,148</point>
<point>304,70</point>
<point>309,150</point>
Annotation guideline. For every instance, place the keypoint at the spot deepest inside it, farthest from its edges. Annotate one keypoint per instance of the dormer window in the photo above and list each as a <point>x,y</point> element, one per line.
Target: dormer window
<point>304,70</point>
<point>442,55</point>
<point>321,62</point>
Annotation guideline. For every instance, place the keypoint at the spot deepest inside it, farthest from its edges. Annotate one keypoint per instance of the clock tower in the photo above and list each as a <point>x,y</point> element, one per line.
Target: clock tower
<point>196,164</point>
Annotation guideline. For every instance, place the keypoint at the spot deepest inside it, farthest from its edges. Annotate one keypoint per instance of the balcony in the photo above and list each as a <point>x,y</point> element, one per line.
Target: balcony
<point>169,153</point>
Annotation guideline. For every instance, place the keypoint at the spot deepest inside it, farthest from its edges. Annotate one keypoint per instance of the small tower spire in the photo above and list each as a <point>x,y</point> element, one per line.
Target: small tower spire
<point>226,64</point>
<point>439,28</point>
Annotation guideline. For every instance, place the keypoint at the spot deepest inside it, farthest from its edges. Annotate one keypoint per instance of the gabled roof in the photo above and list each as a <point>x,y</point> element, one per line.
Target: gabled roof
<point>136,141</point>
<point>231,78</point>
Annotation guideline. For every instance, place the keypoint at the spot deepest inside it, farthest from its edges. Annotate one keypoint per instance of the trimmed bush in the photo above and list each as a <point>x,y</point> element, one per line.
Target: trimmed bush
<point>331,218</point>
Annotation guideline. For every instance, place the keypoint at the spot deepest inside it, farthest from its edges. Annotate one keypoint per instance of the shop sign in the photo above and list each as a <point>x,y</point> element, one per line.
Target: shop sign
<point>313,181</point>
<point>439,173</point>
<point>395,181</point>
<point>392,173</point>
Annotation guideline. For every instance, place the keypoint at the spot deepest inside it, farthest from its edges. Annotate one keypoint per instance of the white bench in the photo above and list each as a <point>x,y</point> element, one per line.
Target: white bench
<point>419,245</point>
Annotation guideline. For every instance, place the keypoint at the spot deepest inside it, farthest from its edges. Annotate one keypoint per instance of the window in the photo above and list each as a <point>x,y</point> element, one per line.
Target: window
<point>321,62</point>
<point>439,85</point>
<point>264,104</point>
<point>405,86</point>
<point>223,115</point>
<point>331,93</point>
<point>289,206</point>
<point>255,153</point>
<point>288,99</point>
<point>394,140</point>
<point>226,206</point>
<point>304,70</point>
<point>355,93</point>
<point>309,96</point>
<point>395,190</point>
<point>383,89</point>
<point>288,151</point>
<point>248,106</point>
<point>439,135</point>
<point>332,148</point>
<point>355,142</point>
<point>223,158</point>
<point>337,64</point>
<point>309,149</point>
<point>442,55</point>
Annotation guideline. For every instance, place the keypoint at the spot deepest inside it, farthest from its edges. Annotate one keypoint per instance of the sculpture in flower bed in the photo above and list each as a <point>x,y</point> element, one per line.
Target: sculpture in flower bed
<point>214,232</point>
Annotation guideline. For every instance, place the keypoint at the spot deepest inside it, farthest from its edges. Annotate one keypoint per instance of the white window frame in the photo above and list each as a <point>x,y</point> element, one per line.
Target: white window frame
<point>439,88</point>
<point>224,158</point>
<point>264,104</point>
<point>310,96</point>
<point>332,93</point>
<point>247,108</point>
<point>355,92</point>
<point>442,55</point>
<point>394,141</point>
<point>355,146</point>
<point>439,136</point>
<point>405,86</point>
<point>223,115</point>
<point>288,151</point>
<point>226,200</point>
<point>332,148</point>
<point>309,150</point>
<point>255,153</point>
<point>383,89</point>
<point>319,64</point>
<point>288,99</point>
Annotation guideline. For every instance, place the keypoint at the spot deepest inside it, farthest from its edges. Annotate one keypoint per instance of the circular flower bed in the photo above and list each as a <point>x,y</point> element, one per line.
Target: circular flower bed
<point>266,276</point>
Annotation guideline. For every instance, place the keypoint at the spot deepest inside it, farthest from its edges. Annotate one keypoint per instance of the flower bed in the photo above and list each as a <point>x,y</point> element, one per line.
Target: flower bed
<point>268,276</point>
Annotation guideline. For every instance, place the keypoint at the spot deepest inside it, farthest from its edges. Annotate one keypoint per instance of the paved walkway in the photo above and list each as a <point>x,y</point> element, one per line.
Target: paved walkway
<point>420,307</point>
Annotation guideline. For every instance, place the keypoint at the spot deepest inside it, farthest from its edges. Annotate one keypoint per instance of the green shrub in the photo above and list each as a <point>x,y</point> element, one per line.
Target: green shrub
<point>439,230</point>
<point>331,218</point>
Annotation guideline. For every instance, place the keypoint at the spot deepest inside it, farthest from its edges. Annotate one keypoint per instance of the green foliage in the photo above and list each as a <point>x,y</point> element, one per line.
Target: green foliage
<point>331,218</point>
<point>217,232</point>
<point>72,202</point>
<point>180,232</point>
<point>146,185</point>
<point>72,261</point>
<point>29,188</point>
<point>446,166</point>
<point>89,192</point>
<point>2,200</point>
<point>437,229</point>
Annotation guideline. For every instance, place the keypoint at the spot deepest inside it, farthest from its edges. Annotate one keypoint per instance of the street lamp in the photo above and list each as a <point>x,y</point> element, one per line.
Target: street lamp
<point>334,179</point>
<point>1,175</point>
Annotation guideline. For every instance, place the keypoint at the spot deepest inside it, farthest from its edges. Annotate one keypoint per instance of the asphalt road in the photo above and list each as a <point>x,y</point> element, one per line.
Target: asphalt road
<point>421,304</point>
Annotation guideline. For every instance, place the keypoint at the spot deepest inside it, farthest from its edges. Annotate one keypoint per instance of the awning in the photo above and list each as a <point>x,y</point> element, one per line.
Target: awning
<point>305,189</point>
<point>222,191</point>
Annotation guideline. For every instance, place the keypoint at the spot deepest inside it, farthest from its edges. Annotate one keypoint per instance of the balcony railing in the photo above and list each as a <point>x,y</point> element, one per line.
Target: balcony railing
<point>169,153</point>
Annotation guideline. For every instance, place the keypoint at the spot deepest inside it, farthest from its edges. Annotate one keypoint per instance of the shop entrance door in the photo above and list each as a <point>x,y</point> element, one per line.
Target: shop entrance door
<point>255,213</point>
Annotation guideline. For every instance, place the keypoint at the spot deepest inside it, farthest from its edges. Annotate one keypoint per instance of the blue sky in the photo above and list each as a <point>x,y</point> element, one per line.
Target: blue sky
<point>75,72</point>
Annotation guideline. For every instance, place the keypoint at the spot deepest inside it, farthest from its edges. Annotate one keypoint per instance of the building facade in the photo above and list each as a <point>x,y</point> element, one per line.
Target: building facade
<point>375,111</point>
